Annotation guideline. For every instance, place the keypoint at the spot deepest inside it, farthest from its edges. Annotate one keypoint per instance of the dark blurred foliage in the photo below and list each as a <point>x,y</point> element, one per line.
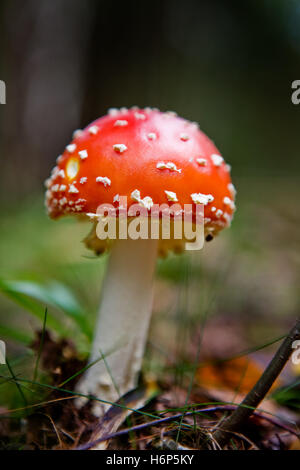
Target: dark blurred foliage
<point>228,65</point>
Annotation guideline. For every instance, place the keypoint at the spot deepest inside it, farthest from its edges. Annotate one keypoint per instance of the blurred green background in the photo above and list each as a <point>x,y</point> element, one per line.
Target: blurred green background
<point>229,66</point>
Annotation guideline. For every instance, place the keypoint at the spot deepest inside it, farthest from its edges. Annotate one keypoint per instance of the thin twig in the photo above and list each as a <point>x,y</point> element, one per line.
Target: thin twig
<point>236,420</point>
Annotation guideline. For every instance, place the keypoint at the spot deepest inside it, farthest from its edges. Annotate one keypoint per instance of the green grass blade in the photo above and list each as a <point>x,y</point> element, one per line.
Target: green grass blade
<point>30,294</point>
<point>77,394</point>
<point>15,335</point>
<point>40,346</point>
<point>16,382</point>
<point>63,298</point>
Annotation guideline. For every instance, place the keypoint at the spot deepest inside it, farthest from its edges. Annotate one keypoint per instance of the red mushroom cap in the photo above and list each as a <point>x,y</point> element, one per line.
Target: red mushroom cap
<point>141,153</point>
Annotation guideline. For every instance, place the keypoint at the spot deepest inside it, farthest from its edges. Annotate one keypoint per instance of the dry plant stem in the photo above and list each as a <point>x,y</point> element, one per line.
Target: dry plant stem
<point>236,420</point>
<point>116,415</point>
<point>122,327</point>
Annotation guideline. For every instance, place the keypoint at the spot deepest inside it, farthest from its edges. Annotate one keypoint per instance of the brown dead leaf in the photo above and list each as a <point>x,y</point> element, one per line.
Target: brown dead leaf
<point>239,375</point>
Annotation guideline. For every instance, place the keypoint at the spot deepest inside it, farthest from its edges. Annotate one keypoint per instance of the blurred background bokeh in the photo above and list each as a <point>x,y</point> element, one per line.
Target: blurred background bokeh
<point>229,66</point>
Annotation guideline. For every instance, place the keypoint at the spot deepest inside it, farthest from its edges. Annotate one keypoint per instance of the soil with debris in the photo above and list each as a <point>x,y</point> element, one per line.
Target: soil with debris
<point>57,424</point>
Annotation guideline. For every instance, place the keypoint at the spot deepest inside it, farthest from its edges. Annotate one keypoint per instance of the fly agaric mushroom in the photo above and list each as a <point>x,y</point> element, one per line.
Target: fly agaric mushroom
<point>149,157</point>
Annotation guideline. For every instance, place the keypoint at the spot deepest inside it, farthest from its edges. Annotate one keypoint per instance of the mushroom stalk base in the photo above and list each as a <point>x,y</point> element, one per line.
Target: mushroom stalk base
<point>123,322</point>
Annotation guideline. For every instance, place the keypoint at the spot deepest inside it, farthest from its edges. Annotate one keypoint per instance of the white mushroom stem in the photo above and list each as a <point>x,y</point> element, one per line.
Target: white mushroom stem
<point>123,321</point>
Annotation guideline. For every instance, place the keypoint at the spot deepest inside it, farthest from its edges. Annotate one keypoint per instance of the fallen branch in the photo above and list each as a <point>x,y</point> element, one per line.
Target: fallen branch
<point>242,413</point>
